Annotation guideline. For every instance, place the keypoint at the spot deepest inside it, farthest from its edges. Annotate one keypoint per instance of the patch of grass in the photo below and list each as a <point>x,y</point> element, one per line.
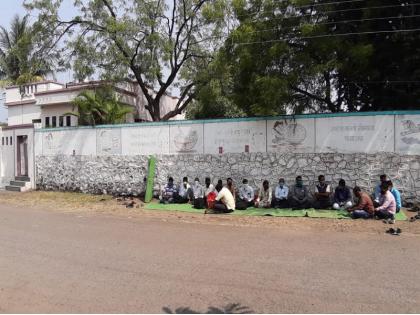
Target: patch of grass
<point>58,200</point>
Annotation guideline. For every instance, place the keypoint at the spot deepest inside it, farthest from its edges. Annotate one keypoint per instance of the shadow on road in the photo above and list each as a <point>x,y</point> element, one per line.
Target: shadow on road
<point>234,308</point>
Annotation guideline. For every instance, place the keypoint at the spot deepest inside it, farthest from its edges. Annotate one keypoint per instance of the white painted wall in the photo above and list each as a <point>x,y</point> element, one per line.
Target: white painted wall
<point>349,134</point>
<point>367,134</point>
<point>13,94</point>
<point>407,134</point>
<point>23,114</point>
<point>7,157</point>
<point>234,136</point>
<point>68,142</point>
<point>57,111</point>
<point>145,140</point>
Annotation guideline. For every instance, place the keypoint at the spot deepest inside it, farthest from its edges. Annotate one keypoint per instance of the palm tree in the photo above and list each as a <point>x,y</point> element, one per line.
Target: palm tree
<point>99,107</point>
<point>20,61</point>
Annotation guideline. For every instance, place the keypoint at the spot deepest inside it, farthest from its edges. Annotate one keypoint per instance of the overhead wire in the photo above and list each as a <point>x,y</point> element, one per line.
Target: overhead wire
<point>338,22</point>
<point>328,35</point>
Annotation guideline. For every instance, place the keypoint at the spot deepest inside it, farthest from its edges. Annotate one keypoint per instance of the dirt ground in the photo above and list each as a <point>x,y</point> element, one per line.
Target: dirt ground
<point>68,202</point>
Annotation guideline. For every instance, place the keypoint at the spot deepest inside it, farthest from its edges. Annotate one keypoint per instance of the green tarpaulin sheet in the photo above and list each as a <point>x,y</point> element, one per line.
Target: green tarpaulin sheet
<point>312,213</point>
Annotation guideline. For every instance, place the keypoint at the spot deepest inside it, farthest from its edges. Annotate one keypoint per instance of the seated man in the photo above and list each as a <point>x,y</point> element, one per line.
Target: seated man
<point>342,196</point>
<point>322,194</point>
<point>377,193</point>
<point>210,191</point>
<point>265,196</point>
<point>246,196</point>
<point>298,195</point>
<point>185,193</point>
<point>168,192</point>
<point>280,195</point>
<point>231,187</point>
<point>198,194</point>
<point>225,203</point>
<point>387,206</point>
<point>396,194</point>
<point>364,208</point>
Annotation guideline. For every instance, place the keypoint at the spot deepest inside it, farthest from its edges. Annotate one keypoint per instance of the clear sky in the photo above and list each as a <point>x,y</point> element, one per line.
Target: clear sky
<point>8,9</point>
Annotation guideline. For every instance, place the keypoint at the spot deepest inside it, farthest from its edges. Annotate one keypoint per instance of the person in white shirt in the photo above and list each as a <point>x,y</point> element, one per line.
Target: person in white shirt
<point>246,196</point>
<point>280,195</point>
<point>225,203</point>
<point>185,193</point>
<point>265,196</point>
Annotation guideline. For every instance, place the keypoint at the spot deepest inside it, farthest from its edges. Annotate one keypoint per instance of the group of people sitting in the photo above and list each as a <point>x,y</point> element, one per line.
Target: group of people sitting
<point>386,201</point>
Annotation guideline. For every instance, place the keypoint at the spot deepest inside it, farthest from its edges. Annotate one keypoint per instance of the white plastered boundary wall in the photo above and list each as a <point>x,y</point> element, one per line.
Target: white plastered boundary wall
<point>8,152</point>
<point>391,139</point>
<point>343,134</point>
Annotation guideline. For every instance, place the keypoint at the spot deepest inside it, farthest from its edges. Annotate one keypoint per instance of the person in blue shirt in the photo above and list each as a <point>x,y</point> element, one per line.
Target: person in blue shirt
<point>396,194</point>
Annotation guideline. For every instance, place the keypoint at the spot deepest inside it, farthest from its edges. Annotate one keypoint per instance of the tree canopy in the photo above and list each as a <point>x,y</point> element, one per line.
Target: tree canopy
<point>297,56</point>
<point>160,44</point>
<point>20,59</point>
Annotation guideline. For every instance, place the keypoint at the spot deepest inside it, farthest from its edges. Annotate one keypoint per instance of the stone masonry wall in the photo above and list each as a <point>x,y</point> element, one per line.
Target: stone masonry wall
<point>125,174</point>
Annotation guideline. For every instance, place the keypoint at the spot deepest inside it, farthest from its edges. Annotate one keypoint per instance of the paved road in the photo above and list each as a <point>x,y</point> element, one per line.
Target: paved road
<point>55,262</point>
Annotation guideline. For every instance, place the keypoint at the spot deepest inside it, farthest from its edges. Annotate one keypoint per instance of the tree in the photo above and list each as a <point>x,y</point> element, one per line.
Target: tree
<point>20,62</point>
<point>161,45</point>
<point>99,107</point>
<point>314,56</point>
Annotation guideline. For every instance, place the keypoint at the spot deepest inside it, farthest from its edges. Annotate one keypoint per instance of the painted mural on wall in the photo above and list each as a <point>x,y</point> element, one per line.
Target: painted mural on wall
<point>145,140</point>
<point>108,141</point>
<point>355,134</point>
<point>51,143</point>
<point>235,137</point>
<point>289,135</point>
<point>186,139</point>
<point>408,134</point>
<point>69,142</point>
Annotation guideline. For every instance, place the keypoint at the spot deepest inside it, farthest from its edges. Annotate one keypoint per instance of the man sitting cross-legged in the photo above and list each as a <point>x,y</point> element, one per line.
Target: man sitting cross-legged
<point>298,195</point>
<point>265,196</point>
<point>280,195</point>
<point>246,196</point>
<point>225,203</point>
<point>185,193</point>
<point>387,205</point>
<point>383,179</point>
<point>322,194</point>
<point>168,192</point>
<point>364,208</point>
<point>198,194</point>
<point>342,196</point>
<point>397,195</point>
<point>210,192</point>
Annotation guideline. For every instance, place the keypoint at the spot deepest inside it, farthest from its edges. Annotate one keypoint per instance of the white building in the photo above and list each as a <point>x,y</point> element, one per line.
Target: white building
<point>47,104</point>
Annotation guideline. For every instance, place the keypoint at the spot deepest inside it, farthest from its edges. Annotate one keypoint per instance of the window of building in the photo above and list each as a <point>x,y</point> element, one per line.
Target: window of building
<point>7,140</point>
<point>61,121</point>
<point>11,142</point>
<point>54,121</point>
<point>47,122</point>
<point>68,121</point>
<point>36,121</point>
<point>2,140</point>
